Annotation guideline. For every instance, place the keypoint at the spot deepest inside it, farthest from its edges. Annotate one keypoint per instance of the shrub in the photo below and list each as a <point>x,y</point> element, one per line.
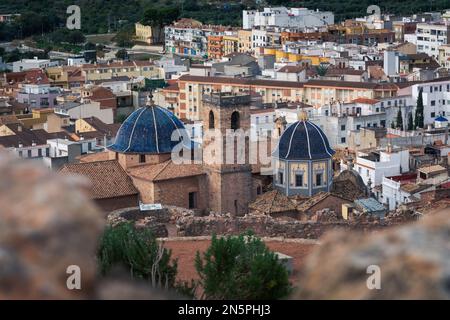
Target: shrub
<point>138,251</point>
<point>241,267</point>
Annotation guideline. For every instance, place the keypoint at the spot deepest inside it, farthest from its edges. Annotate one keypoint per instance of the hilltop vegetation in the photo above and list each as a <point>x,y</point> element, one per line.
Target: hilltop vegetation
<point>101,16</point>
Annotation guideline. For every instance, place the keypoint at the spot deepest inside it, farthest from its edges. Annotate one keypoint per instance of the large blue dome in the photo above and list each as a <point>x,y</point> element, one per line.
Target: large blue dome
<point>148,130</point>
<point>303,140</point>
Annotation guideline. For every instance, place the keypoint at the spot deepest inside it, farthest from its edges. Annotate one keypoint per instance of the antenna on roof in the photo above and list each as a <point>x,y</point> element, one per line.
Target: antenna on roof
<point>150,102</point>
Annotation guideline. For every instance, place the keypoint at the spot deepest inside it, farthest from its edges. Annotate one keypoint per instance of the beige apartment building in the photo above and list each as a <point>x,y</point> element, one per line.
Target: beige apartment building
<point>245,41</point>
<point>313,92</point>
<point>148,34</point>
<point>132,69</point>
<point>444,56</point>
<point>230,44</point>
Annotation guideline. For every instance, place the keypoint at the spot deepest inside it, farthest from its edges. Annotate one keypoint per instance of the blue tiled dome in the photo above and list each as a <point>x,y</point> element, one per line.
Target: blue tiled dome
<point>440,119</point>
<point>303,140</point>
<point>148,130</point>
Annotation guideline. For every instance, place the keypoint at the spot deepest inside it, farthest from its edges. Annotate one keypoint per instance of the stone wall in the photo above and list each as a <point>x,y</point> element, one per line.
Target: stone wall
<point>266,226</point>
<point>153,220</point>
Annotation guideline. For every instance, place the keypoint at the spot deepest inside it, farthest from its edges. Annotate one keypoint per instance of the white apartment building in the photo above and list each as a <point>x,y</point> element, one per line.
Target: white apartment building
<point>339,119</point>
<point>78,110</point>
<point>27,64</point>
<point>296,18</point>
<point>374,165</point>
<point>395,192</point>
<point>436,99</point>
<point>189,40</point>
<point>430,36</point>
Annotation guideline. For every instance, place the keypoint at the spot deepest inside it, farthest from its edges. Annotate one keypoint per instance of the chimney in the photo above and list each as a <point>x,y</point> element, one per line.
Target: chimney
<point>389,148</point>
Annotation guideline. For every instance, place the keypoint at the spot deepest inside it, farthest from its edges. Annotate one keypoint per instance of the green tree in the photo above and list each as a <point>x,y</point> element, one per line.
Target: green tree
<point>138,251</point>
<point>418,121</point>
<point>158,18</point>
<point>120,118</point>
<point>410,122</point>
<point>124,38</point>
<point>122,54</point>
<point>399,119</point>
<point>322,69</point>
<point>241,267</point>
<point>90,46</point>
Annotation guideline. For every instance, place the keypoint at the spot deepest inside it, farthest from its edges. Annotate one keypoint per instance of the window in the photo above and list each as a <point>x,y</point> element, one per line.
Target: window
<point>29,153</point>
<point>343,140</point>
<point>299,180</point>
<point>433,103</point>
<point>211,120</point>
<point>39,152</point>
<point>47,152</point>
<point>192,200</point>
<point>20,154</point>
<point>235,122</point>
<point>342,127</point>
<point>318,179</point>
<point>280,178</point>
<point>258,190</point>
<point>142,158</point>
<point>433,114</point>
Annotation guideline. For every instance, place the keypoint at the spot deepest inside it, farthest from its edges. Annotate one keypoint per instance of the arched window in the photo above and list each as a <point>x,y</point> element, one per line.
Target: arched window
<point>235,120</point>
<point>211,120</point>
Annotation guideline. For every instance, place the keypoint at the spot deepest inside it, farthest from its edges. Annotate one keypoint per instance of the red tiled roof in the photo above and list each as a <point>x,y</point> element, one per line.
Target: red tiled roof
<point>108,179</point>
<point>241,81</point>
<point>291,69</point>
<point>165,171</point>
<point>365,101</point>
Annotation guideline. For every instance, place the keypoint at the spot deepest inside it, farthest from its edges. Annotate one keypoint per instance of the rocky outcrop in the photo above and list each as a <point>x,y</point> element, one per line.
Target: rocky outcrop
<point>47,224</point>
<point>413,261</point>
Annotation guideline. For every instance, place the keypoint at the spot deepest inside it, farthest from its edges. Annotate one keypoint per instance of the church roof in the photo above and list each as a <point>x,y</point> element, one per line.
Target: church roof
<point>272,202</point>
<point>107,178</point>
<point>165,171</point>
<point>303,140</point>
<point>148,130</point>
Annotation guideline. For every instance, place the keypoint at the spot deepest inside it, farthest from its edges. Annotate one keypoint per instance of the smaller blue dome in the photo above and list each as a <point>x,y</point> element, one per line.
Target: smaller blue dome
<point>148,130</point>
<point>303,140</point>
<point>440,119</point>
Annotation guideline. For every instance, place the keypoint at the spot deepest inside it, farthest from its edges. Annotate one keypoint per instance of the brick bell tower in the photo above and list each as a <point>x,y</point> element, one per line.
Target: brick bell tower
<point>230,184</point>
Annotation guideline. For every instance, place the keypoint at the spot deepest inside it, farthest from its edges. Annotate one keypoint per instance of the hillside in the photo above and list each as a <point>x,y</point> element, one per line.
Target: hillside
<point>99,16</point>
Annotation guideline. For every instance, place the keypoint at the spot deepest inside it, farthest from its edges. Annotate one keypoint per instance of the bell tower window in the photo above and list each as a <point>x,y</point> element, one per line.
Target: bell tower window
<point>235,121</point>
<point>211,120</point>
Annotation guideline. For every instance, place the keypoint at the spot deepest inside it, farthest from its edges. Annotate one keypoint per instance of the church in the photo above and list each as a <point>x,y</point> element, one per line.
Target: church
<point>143,149</point>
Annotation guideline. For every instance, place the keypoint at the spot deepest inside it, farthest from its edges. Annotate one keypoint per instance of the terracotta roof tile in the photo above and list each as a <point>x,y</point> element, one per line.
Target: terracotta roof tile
<point>108,178</point>
<point>272,202</point>
<point>165,171</point>
<point>93,157</point>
